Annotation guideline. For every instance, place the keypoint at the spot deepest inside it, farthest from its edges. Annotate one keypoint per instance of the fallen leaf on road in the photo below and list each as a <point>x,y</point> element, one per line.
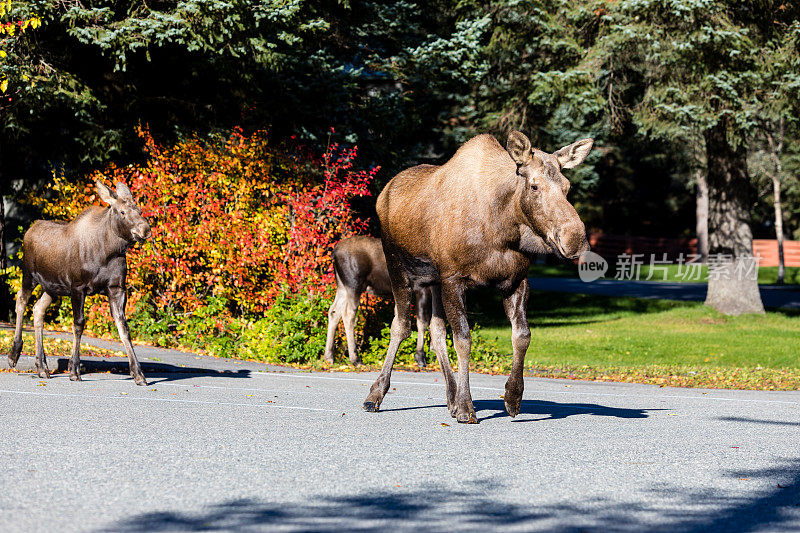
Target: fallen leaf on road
<point>124,393</point>
<point>153,389</point>
<point>744,479</point>
<point>249,395</point>
<point>41,384</point>
<point>781,486</point>
<point>445,425</point>
<point>344,414</point>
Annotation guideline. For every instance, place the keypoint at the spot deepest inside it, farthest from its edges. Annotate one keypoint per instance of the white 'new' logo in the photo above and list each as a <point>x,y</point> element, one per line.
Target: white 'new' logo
<point>591,267</point>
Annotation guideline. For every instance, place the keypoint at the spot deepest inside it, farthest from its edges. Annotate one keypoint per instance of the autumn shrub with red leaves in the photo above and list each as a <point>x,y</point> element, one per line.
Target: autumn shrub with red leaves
<point>236,220</point>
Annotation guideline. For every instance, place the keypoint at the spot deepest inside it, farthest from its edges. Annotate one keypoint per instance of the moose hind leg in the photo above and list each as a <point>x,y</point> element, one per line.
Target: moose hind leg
<point>439,347</point>
<point>401,330</point>
<point>38,325</point>
<point>334,316</point>
<point>350,316</point>
<point>23,296</point>
<point>78,322</point>
<point>423,321</point>
<point>117,298</point>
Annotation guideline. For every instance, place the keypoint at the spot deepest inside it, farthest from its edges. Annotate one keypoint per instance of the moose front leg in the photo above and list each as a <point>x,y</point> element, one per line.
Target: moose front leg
<point>23,296</point>
<point>515,305</point>
<point>453,300</point>
<point>78,322</point>
<point>400,331</point>
<point>117,299</point>
<point>38,326</point>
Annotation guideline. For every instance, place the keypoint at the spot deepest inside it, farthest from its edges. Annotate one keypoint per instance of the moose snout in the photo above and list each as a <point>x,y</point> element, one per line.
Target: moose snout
<point>142,232</point>
<point>571,240</point>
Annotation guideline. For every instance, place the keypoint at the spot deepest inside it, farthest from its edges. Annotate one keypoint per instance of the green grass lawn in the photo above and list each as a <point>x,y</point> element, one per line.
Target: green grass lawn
<point>766,275</point>
<point>586,336</point>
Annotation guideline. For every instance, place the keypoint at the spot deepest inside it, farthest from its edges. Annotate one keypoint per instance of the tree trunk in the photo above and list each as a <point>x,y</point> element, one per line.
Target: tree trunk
<point>776,196</point>
<point>5,306</point>
<point>733,272</point>
<point>701,212</point>
<point>776,175</point>
<point>2,233</point>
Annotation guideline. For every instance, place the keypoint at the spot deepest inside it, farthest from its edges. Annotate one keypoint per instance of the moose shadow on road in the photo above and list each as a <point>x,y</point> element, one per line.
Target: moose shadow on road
<point>480,506</point>
<point>152,370</point>
<point>543,410</point>
<point>555,410</point>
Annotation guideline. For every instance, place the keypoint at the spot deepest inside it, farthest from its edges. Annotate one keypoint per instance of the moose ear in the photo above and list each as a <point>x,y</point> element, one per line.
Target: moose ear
<point>519,148</point>
<point>106,194</point>
<point>574,154</point>
<point>123,192</point>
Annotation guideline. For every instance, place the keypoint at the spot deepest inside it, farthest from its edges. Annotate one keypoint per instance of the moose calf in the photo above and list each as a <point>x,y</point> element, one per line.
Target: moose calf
<point>76,259</point>
<point>359,265</point>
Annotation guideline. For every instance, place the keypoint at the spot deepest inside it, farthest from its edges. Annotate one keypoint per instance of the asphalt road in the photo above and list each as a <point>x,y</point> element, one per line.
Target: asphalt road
<point>244,447</point>
<point>775,296</point>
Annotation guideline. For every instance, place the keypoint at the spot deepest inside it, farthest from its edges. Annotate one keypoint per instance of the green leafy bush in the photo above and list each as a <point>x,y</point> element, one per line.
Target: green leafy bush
<point>484,355</point>
<point>292,331</point>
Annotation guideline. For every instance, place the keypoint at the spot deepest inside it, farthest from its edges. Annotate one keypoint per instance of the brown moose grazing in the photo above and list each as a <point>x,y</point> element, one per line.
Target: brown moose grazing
<point>359,265</point>
<point>475,221</point>
<point>76,259</point>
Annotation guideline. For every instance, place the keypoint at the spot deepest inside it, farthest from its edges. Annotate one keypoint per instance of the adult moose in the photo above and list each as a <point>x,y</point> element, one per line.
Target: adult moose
<point>76,259</point>
<point>359,265</point>
<point>475,221</point>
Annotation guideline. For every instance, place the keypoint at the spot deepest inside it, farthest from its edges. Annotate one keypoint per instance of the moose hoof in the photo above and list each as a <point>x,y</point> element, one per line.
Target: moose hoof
<point>43,373</point>
<point>512,406</point>
<point>371,407</point>
<point>139,380</point>
<point>12,361</point>
<point>420,359</point>
<point>75,377</point>
<point>467,418</point>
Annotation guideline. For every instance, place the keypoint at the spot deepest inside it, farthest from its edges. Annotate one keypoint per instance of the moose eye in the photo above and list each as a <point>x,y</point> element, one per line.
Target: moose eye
<point>535,187</point>
<point>122,212</point>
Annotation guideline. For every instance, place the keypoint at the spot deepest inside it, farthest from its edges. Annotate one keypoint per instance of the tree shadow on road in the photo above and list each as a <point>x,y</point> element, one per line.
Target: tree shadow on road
<point>479,506</point>
<point>757,421</point>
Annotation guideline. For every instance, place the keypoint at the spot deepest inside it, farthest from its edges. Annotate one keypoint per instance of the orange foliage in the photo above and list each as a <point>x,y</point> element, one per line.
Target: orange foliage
<point>235,218</point>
